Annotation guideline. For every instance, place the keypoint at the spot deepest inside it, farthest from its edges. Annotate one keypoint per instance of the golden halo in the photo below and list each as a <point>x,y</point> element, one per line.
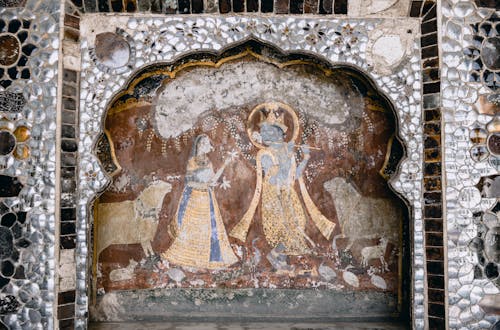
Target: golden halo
<point>272,106</point>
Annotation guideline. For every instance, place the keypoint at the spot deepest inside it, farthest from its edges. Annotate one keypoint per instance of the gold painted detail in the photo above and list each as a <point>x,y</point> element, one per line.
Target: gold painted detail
<point>191,247</point>
<point>382,171</point>
<point>283,216</point>
<point>324,225</point>
<point>112,152</point>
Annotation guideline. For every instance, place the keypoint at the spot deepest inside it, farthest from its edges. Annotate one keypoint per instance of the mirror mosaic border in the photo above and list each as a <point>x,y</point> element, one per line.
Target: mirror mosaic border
<point>470,205</point>
<point>216,34</point>
<point>28,103</point>
<point>456,19</point>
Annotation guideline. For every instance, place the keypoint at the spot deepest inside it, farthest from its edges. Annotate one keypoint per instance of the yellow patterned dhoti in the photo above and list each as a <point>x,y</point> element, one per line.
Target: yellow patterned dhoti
<point>283,218</point>
<point>201,230</point>
<point>283,215</point>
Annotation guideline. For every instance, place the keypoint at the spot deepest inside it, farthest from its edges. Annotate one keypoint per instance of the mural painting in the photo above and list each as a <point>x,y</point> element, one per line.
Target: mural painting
<point>249,172</point>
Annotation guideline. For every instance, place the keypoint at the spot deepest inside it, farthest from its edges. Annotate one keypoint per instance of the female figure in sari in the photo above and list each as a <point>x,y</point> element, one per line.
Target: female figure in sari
<point>282,211</point>
<point>200,237</point>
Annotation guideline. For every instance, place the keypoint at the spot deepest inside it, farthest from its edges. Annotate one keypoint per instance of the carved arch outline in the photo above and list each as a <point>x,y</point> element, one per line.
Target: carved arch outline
<point>94,187</point>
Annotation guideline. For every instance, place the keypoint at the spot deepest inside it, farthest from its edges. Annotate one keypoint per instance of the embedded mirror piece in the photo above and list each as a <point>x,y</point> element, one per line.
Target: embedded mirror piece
<point>240,174</point>
<point>389,49</point>
<point>491,53</point>
<point>10,49</point>
<point>486,244</point>
<point>112,50</point>
<point>488,104</point>
<point>494,143</point>
<point>7,142</point>
<point>492,246</point>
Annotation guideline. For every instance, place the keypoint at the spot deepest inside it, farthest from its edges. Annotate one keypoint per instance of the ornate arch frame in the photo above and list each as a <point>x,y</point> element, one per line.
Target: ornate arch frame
<point>340,42</point>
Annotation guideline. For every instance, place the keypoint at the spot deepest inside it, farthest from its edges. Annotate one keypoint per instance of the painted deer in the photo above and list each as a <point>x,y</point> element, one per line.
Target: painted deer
<point>374,252</point>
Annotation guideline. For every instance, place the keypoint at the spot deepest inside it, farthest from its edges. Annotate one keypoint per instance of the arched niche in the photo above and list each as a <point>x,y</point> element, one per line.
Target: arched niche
<point>352,256</point>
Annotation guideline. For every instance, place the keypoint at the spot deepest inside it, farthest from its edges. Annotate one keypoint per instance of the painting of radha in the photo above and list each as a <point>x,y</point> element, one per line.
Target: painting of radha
<point>200,238</point>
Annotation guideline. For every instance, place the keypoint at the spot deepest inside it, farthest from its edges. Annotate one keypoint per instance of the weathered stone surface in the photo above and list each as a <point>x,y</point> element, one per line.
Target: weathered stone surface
<point>208,325</point>
<point>385,8</point>
<point>216,303</point>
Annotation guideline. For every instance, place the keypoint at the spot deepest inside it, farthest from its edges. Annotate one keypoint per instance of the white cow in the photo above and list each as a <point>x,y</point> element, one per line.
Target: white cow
<point>363,217</point>
<point>131,222</point>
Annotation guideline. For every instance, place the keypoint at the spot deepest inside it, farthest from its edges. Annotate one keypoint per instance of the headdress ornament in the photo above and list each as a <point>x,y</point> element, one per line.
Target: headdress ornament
<point>274,119</point>
<point>267,113</point>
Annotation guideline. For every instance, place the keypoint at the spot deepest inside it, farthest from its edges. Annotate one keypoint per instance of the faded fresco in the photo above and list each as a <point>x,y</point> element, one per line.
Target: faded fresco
<point>249,173</point>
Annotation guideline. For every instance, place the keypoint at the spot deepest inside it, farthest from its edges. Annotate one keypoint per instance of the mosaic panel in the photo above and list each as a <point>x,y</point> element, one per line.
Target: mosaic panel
<point>468,89</point>
<point>28,66</point>
<point>483,53</point>
<point>353,8</point>
<point>15,50</point>
<point>67,224</point>
<point>433,200</point>
<point>166,39</point>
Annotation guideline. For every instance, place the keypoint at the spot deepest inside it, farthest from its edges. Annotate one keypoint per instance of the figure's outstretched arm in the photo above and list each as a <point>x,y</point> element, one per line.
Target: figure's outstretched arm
<point>216,177</point>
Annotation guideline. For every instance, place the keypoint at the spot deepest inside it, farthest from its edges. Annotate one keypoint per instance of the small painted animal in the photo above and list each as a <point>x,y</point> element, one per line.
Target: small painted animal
<point>123,274</point>
<point>131,222</point>
<point>374,252</point>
